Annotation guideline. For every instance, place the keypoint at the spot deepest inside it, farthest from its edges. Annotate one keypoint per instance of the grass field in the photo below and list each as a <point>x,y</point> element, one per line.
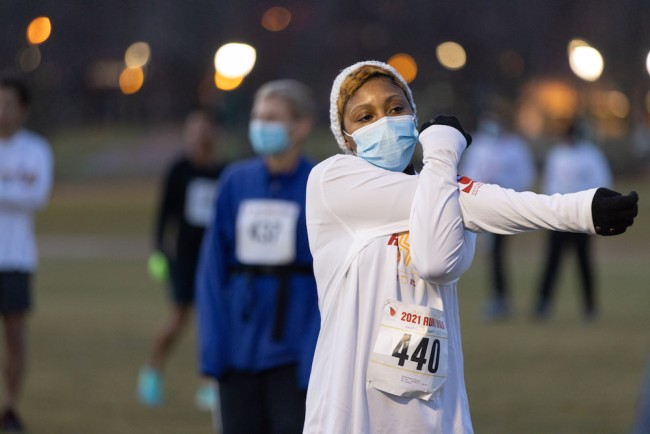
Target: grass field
<point>97,311</point>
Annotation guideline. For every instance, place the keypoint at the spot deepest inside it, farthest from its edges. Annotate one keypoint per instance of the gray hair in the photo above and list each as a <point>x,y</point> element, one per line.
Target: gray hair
<point>297,94</point>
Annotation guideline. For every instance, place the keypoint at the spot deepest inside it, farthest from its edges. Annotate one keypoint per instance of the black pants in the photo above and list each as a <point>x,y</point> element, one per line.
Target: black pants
<point>558,244</point>
<point>267,402</point>
<point>500,285</point>
<point>15,292</point>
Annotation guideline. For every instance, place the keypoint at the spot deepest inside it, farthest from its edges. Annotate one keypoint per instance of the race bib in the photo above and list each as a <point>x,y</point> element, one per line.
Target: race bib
<point>266,232</point>
<point>199,201</point>
<point>409,357</point>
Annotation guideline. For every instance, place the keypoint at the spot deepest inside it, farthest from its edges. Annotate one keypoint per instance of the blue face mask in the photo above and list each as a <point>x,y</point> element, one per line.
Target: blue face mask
<point>387,143</point>
<point>268,138</point>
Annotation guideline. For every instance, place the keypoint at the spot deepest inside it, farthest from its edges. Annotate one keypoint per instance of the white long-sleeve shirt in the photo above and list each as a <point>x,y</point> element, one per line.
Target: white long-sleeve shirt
<point>575,167</point>
<point>382,238</point>
<point>25,182</point>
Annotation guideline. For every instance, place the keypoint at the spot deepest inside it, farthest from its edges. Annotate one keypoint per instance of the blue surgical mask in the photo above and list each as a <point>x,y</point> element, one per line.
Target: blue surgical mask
<point>268,138</point>
<point>387,143</point>
<point>490,128</point>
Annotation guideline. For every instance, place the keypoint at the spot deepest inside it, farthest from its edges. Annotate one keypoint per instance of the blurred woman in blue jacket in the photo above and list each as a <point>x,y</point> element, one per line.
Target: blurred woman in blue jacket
<point>257,303</point>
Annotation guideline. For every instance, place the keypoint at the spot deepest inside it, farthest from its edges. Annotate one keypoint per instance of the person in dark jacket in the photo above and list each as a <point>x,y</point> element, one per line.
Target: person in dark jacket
<point>184,212</point>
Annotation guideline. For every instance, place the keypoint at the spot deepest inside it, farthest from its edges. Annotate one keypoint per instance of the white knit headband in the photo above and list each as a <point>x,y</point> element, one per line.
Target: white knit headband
<point>335,125</point>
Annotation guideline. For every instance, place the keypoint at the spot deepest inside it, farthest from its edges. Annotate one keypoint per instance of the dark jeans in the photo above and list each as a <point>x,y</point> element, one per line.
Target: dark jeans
<point>266,402</point>
<point>500,285</point>
<point>558,244</point>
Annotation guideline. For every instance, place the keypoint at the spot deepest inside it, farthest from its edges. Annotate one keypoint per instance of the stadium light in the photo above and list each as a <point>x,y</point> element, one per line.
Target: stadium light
<point>137,55</point>
<point>451,55</point>
<point>234,60</point>
<point>276,19</point>
<point>226,83</point>
<point>131,80</point>
<point>586,62</point>
<point>30,58</point>
<point>405,65</point>
<point>39,30</point>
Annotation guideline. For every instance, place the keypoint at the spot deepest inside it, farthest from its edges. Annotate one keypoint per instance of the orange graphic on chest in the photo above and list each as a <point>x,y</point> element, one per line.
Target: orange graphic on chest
<point>401,240</point>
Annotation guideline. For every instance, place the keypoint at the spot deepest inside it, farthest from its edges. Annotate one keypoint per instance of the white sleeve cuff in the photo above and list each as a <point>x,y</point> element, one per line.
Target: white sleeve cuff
<point>444,139</point>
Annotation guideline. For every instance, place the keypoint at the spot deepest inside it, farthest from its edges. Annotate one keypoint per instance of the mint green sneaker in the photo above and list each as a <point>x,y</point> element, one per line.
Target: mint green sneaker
<point>207,396</point>
<point>150,387</point>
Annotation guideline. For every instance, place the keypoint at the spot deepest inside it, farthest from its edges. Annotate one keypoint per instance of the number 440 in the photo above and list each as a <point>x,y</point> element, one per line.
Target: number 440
<point>419,356</point>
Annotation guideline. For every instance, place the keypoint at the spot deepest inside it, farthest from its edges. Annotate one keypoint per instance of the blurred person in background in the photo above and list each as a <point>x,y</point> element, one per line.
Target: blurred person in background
<point>640,136</point>
<point>257,303</point>
<point>572,165</point>
<point>642,420</point>
<point>25,182</point>
<point>499,156</point>
<point>184,212</point>
<point>389,248</point>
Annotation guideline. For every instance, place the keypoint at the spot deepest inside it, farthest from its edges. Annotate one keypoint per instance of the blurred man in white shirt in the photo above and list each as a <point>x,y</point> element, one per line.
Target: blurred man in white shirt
<point>574,164</point>
<point>25,181</point>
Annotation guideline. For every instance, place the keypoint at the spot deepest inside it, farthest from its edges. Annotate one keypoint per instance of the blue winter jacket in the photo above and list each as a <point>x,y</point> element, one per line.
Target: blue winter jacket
<point>246,322</point>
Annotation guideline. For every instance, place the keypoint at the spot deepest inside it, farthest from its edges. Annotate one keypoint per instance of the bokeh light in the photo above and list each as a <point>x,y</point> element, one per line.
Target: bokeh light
<point>530,120</point>
<point>104,74</point>
<point>30,58</point>
<point>605,104</point>
<point>227,83</point>
<point>575,43</point>
<point>556,99</point>
<point>39,30</point>
<point>647,63</point>
<point>546,105</point>
<point>234,60</point>
<point>276,19</point>
<point>618,104</point>
<point>451,55</point>
<point>405,65</point>
<point>585,61</point>
<point>137,55</point>
<point>131,80</point>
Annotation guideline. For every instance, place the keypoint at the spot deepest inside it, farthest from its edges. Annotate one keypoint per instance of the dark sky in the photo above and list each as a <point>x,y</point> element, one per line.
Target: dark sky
<point>323,37</point>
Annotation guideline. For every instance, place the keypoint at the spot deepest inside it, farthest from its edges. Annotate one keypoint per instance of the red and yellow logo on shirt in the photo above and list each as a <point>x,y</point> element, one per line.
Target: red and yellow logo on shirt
<point>401,240</point>
<point>406,272</point>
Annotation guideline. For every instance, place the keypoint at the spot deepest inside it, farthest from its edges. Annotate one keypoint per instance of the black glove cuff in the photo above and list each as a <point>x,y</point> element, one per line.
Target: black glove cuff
<point>450,121</point>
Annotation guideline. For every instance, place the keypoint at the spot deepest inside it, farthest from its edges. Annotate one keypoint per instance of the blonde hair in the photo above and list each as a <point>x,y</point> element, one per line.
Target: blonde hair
<point>358,78</point>
<point>348,82</point>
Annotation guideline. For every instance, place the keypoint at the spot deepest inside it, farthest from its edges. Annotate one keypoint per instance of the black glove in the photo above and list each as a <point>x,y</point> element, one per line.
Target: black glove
<point>450,121</point>
<point>612,212</point>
